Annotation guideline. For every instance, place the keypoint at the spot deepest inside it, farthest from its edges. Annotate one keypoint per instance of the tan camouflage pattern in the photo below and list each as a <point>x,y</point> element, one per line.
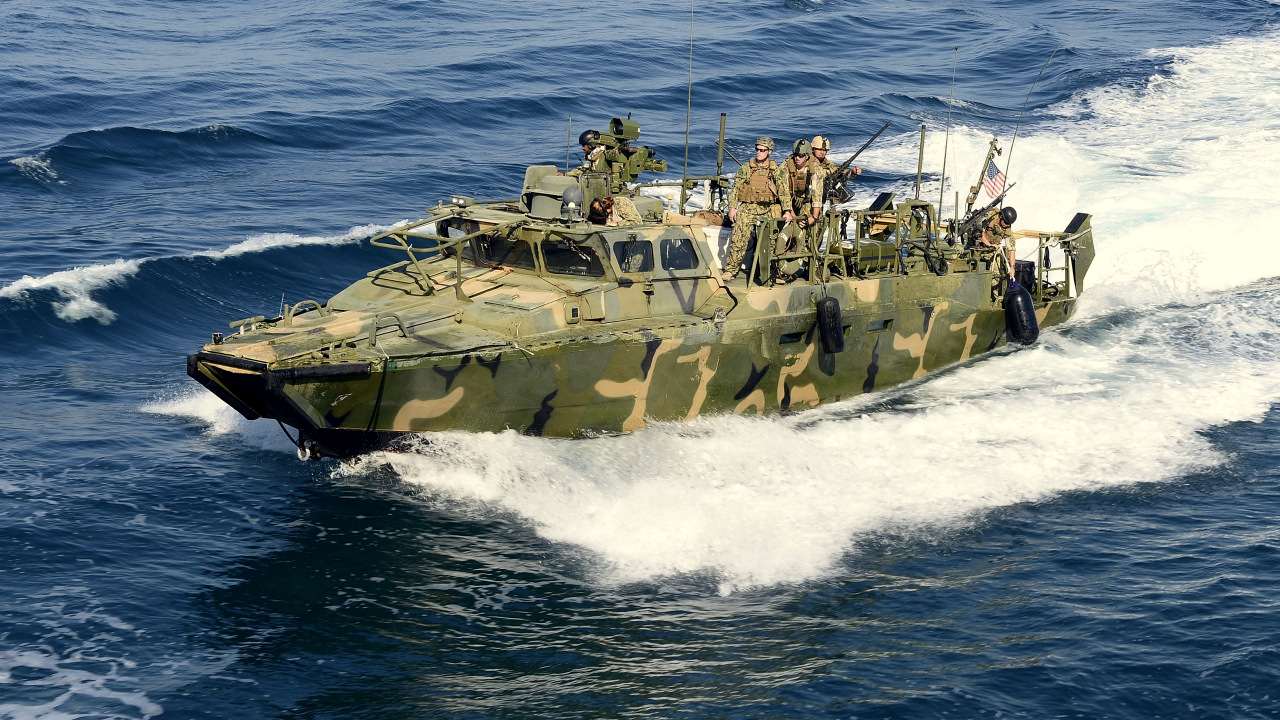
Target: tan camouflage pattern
<point>782,196</point>
<point>819,171</point>
<point>799,175</point>
<point>600,160</point>
<point>747,216</point>
<point>657,336</point>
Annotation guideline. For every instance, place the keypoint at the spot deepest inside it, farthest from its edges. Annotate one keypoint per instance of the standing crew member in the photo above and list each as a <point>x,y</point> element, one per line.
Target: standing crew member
<point>820,170</point>
<point>760,189</point>
<point>798,168</point>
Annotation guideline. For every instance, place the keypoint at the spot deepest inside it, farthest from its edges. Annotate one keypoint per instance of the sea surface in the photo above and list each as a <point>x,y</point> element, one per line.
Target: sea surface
<point>1083,528</point>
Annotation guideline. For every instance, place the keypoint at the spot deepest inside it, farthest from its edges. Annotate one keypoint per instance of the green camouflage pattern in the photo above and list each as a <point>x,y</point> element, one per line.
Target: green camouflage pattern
<point>567,329</point>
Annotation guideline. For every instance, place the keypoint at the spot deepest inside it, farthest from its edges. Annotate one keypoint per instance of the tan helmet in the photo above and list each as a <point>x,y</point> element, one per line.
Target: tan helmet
<point>764,142</point>
<point>801,147</point>
<point>821,142</point>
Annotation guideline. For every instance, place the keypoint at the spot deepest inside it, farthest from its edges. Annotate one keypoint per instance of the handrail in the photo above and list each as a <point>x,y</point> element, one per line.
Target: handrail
<point>373,331</point>
<point>290,312</point>
<point>440,241</point>
<point>400,235</point>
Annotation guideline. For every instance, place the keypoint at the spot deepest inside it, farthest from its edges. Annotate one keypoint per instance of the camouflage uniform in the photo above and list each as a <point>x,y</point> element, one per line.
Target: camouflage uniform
<point>624,212</point>
<point>765,197</point>
<point>798,182</point>
<point>1001,240</point>
<point>819,171</point>
<point>597,161</point>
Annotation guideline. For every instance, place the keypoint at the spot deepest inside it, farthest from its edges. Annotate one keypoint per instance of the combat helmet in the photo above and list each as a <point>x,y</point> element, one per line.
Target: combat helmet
<point>801,147</point>
<point>1008,215</point>
<point>764,142</point>
<point>589,137</point>
<point>821,142</point>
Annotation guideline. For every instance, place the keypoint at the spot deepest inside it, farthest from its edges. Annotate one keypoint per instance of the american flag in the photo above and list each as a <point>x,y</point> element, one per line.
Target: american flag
<point>994,180</point>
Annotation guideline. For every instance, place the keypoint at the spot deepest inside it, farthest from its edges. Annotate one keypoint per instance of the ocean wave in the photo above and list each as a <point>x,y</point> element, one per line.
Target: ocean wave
<point>39,168</point>
<point>155,150</point>
<point>218,419</point>
<point>74,287</point>
<point>77,663</point>
<point>266,241</point>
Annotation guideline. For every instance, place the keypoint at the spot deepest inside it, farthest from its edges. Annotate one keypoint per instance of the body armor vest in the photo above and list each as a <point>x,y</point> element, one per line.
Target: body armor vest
<point>799,181</point>
<point>760,186</point>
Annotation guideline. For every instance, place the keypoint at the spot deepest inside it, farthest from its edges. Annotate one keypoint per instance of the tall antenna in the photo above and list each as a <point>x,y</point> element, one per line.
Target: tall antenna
<point>942,191</point>
<point>688,113</point>
<point>1009,160</point>
<point>568,144</point>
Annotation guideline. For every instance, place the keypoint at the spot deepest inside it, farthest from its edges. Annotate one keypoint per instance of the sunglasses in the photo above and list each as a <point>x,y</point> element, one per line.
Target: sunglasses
<point>759,150</point>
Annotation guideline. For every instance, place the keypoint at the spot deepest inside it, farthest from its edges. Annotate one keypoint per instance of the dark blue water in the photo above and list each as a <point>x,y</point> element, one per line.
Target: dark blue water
<point>1084,528</point>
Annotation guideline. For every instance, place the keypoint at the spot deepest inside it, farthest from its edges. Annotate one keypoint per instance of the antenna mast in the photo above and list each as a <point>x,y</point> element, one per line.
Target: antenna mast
<point>568,144</point>
<point>942,191</point>
<point>1009,161</point>
<point>688,112</point>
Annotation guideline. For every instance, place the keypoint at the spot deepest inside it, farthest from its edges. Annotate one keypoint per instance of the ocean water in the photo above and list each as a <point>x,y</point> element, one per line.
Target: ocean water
<point>1083,528</point>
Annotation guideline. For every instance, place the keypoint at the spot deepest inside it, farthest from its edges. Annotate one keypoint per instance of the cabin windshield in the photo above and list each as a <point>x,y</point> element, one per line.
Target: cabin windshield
<point>505,251</point>
<point>562,257</point>
<point>456,228</point>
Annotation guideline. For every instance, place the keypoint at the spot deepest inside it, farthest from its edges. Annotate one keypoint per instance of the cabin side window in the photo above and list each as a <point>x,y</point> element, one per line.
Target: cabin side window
<point>454,228</point>
<point>505,251</point>
<point>634,256</point>
<point>678,254</point>
<point>562,257</point>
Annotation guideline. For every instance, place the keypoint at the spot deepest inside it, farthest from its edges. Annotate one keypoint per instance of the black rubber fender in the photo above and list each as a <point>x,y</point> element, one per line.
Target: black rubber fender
<point>1020,314</point>
<point>830,325</point>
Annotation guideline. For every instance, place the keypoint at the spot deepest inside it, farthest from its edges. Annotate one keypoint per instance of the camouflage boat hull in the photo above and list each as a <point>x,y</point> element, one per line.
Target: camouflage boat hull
<point>570,384</point>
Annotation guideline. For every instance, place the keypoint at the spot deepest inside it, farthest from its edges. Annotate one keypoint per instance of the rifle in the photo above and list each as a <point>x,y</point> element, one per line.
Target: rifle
<point>835,185</point>
<point>976,216</point>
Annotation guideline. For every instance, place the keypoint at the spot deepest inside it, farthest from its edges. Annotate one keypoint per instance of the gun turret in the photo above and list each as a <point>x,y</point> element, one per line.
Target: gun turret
<point>627,161</point>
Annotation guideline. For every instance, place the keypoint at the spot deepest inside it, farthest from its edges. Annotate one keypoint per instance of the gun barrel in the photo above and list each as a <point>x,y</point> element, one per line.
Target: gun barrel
<point>845,165</point>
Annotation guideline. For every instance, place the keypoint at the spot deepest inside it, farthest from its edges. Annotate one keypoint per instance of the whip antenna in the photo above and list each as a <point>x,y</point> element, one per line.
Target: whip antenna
<point>1009,160</point>
<point>688,112</point>
<point>568,140</point>
<point>942,192</point>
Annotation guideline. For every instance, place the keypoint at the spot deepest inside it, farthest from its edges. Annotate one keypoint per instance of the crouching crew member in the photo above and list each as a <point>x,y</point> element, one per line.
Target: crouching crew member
<point>996,238</point>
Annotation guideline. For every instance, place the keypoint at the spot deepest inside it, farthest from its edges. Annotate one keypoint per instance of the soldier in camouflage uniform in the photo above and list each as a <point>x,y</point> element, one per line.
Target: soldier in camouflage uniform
<point>820,169</point>
<point>622,211</point>
<point>761,189</point>
<point>798,168</point>
<point>614,211</point>
<point>597,158</point>
<point>995,237</point>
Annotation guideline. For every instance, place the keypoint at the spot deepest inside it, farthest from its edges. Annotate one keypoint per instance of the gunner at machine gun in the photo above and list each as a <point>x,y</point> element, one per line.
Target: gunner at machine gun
<point>612,153</point>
